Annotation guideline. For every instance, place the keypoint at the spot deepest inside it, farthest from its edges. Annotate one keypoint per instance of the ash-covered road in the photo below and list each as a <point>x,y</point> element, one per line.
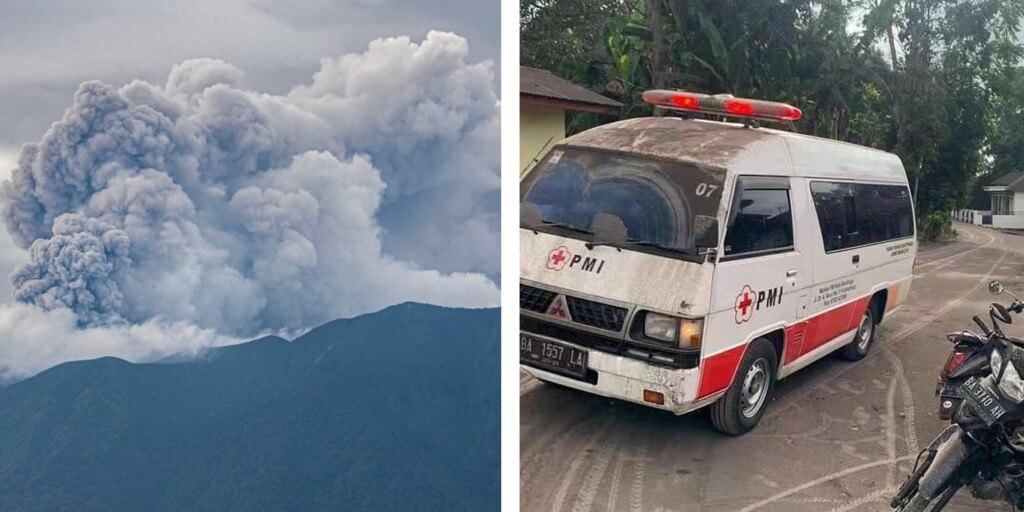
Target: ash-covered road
<point>838,436</point>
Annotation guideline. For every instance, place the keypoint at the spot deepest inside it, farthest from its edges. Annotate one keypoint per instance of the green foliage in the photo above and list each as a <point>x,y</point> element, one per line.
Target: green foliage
<point>938,82</point>
<point>935,226</point>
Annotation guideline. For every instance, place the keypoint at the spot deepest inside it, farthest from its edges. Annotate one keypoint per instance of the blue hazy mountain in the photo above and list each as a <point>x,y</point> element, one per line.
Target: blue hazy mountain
<point>395,410</point>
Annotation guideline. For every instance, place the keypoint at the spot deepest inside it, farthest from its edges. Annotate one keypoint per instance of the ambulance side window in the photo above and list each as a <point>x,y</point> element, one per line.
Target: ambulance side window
<point>859,214</point>
<point>763,224</point>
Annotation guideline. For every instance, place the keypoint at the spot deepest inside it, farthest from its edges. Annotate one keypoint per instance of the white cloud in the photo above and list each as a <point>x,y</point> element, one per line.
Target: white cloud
<point>277,42</point>
<point>8,162</point>
<point>32,340</point>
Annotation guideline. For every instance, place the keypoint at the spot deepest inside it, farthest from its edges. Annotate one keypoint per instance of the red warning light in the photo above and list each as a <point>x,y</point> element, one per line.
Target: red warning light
<point>738,107</point>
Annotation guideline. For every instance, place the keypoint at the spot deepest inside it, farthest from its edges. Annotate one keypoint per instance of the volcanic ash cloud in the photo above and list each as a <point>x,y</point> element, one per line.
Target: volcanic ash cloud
<point>204,203</point>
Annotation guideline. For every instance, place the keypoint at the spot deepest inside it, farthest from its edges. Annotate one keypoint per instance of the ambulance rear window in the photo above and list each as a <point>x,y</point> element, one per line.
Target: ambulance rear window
<point>655,199</point>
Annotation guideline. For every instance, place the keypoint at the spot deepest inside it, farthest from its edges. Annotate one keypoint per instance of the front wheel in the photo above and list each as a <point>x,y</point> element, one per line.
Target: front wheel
<point>741,408</point>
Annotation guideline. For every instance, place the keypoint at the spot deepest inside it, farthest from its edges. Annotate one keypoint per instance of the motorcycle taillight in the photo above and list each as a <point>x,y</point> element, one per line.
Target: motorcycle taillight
<point>955,361</point>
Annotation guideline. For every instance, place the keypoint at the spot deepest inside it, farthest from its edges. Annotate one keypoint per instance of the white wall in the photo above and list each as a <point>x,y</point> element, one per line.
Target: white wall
<point>1008,221</point>
<point>539,129</point>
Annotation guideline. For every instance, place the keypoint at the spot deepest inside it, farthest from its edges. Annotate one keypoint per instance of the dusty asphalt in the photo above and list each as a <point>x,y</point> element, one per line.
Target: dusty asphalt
<point>838,436</point>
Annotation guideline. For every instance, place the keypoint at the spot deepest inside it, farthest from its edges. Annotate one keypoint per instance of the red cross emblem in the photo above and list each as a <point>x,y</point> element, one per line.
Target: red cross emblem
<point>559,308</point>
<point>745,304</point>
<point>557,258</point>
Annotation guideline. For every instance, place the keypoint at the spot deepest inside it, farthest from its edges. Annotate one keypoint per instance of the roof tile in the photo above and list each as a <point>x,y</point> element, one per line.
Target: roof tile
<point>538,82</point>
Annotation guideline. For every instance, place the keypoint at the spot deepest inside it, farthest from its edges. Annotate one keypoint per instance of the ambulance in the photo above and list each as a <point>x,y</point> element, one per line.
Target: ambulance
<point>683,262</point>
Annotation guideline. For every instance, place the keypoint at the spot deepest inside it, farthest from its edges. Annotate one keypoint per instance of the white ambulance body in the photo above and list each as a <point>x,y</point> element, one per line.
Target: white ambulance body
<point>814,246</point>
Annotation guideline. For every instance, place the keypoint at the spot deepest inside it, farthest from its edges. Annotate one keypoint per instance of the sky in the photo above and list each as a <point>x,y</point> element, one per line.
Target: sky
<point>226,169</point>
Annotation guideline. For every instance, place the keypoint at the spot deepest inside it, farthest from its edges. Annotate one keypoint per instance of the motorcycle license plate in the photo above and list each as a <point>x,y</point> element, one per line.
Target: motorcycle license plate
<point>950,389</point>
<point>985,403</point>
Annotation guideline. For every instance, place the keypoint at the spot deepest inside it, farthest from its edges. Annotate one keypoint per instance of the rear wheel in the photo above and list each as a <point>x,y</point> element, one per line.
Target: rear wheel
<point>741,408</point>
<point>861,344</point>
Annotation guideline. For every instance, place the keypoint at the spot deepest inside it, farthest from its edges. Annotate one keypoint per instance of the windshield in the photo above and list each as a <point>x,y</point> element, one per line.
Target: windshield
<point>655,199</point>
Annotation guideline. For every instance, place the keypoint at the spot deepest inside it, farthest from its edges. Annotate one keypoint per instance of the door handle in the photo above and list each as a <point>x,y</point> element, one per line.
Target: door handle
<point>856,259</point>
<point>792,273</point>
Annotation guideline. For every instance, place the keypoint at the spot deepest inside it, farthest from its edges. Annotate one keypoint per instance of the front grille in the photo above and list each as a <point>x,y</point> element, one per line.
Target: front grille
<point>560,332</point>
<point>535,299</point>
<point>596,314</point>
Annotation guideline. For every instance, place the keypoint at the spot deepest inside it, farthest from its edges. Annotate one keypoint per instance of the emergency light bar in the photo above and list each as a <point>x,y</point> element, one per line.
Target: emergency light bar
<point>723,105</point>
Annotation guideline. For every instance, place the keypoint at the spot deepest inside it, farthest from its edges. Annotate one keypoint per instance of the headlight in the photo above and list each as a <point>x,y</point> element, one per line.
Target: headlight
<point>670,329</point>
<point>661,327</point>
<point>995,361</point>
<point>1011,384</point>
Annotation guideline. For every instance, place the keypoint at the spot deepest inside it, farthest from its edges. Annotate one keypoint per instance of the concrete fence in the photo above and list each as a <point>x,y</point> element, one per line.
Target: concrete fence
<point>980,217</point>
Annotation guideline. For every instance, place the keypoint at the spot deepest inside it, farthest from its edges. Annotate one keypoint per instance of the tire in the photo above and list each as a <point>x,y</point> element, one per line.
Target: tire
<point>741,408</point>
<point>865,337</point>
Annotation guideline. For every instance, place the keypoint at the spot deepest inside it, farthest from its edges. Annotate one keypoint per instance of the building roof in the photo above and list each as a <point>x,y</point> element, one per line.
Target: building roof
<point>540,87</point>
<point>1013,181</point>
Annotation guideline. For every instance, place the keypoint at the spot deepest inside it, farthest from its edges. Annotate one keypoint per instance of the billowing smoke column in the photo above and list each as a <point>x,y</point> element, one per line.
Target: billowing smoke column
<point>206,203</point>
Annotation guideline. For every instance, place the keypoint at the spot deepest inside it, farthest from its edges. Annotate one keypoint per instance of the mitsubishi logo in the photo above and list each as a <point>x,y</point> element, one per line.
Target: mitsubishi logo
<point>559,309</point>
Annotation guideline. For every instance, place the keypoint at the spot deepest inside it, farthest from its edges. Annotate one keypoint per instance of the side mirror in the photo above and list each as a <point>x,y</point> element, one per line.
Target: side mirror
<point>705,231</point>
<point>995,287</point>
<point>608,228</point>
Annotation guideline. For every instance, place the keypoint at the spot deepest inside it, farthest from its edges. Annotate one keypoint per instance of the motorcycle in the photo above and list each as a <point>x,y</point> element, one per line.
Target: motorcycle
<point>981,392</point>
<point>968,358</point>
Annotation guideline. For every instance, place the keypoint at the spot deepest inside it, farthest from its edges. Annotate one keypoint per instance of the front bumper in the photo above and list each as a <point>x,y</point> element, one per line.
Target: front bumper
<point>624,378</point>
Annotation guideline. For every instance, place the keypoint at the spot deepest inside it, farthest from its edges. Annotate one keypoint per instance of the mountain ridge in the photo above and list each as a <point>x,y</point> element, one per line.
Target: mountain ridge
<point>319,422</point>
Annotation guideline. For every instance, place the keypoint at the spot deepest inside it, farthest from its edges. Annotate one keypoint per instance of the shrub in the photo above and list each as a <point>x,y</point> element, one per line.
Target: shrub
<point>935,226</point>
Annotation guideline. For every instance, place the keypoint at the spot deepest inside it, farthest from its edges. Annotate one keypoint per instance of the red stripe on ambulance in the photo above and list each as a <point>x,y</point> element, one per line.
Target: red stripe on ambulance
<point>893,301</point>
<point>717,371</point>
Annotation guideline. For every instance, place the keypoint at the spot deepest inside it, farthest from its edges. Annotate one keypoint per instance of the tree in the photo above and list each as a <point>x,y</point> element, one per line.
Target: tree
<point>938,82</point>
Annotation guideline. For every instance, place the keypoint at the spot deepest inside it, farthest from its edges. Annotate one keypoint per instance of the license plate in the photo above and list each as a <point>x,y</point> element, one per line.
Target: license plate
<point>985,403</point>
<point>551,355</point>
<point>948,389</point>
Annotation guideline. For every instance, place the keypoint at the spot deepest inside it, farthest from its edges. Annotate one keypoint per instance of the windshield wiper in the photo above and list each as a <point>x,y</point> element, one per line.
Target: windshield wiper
<point>591,245</point>
<point>659,247</point>
<point>559,225</point>
<point>642,243</point>
<point>656,245</point>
